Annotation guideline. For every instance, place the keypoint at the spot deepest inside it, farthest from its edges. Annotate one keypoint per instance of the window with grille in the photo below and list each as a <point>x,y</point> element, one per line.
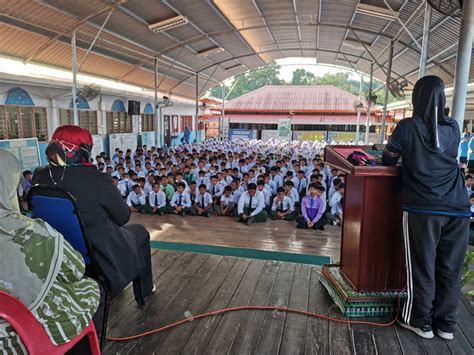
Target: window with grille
<point>148,122</point>
<point>23,122</point>
<point>118,122</point>
<point>87,119</point>
<point>186,121</point>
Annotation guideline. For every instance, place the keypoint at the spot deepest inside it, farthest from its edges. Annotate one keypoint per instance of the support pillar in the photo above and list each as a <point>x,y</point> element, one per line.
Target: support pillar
<point>357,140</point>
<point>223,111</point>
<point>425,40</point>
<point>74,78</point>
<point>156,117</point>
<point>367,123</point>
<point>387,92</point>
<point>463,62</point>
<point>197,106</point>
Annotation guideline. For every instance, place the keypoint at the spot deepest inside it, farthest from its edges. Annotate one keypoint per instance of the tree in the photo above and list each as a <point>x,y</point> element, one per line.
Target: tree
<point>302,77</point>
<point>251,81</point>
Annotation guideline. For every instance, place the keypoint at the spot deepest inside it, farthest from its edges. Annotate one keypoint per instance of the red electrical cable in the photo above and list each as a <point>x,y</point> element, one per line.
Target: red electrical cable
<point>273,308</point>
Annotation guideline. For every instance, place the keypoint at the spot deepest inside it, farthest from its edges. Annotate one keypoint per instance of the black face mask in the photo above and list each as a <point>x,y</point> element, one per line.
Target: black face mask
<point>435,128</point>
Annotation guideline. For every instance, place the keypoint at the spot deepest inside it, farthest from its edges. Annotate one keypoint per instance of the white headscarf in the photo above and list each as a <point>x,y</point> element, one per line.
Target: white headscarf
<point>30,250</point>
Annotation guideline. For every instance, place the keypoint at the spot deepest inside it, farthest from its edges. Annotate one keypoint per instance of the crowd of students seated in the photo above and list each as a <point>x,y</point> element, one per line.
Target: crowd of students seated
<point>250,181</point>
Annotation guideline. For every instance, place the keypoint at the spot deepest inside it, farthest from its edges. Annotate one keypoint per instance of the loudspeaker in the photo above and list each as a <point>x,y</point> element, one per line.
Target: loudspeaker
<point>133,108</point>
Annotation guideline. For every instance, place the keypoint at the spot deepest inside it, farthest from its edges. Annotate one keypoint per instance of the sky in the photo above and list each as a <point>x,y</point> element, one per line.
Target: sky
<point>288,65</point>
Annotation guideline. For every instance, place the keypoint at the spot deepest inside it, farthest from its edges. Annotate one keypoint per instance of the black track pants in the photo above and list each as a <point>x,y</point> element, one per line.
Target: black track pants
<point>435,247</point>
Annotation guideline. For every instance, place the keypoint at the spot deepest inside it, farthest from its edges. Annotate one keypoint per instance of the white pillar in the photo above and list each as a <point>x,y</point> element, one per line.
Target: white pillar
<point>74,79</point>
<point>387,92</point>
<point>463,62</point>
<point>425,40</point>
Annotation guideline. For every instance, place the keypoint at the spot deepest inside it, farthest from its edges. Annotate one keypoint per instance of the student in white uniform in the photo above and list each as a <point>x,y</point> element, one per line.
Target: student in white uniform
<point>300,183</point>
<point>251,207</point>
<point>266,194</point>
<point>181,202</point>
<point>157,200</point>
<point>203,205</point>
<point>136,200</point>
<point>125,186</point>
<point>226,204</point>
<point>215,189</point>
<point>282,207</point>
<point>336,204</point>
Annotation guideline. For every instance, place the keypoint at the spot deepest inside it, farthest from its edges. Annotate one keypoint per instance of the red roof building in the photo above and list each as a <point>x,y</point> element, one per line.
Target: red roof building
<point>316,110</point>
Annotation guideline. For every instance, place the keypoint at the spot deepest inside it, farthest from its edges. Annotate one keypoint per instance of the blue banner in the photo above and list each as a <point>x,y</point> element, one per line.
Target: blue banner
<point>241,134</point>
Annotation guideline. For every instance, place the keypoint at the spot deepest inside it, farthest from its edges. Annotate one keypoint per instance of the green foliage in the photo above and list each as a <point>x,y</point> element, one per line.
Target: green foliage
<point>302,77</point>
<point>467,275</point>
<point>269,76</point>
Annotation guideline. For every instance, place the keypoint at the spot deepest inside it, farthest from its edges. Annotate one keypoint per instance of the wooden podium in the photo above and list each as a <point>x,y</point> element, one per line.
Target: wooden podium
<point>372,251</point>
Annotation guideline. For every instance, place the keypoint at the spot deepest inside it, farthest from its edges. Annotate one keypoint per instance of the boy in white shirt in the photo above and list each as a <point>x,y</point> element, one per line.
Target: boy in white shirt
<point>203,203</point>
<point>282,207</point>
<point>157,200</point>
<point>336,204</point>
<point>266,194</point>
<point>181,202</point>
<point>136,200</point>
<point>226,204</point>
<point>251,207</point>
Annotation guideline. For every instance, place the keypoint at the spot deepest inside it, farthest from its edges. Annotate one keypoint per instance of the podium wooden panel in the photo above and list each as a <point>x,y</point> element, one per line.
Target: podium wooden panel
<point>372,251</point>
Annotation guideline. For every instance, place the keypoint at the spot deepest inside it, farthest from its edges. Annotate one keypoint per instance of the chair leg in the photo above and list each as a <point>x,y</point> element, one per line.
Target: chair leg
<point>138,292</point>
<point>103,332</point>
<point>93,343</point>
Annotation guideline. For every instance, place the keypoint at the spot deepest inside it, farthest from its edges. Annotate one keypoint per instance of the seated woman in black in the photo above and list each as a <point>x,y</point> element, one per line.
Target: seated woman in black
<point>121,251</point>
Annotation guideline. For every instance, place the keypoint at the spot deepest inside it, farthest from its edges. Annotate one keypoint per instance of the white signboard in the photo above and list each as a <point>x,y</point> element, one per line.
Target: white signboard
<point>123,141</point>
<point>149,139</point>
<point>26,151</point>
<point>98,146</point>
<point>284,128</point>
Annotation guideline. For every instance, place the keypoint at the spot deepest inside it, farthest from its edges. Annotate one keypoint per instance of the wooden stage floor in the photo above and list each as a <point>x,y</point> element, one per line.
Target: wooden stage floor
<point>281,236</point>
<point>199,283</point>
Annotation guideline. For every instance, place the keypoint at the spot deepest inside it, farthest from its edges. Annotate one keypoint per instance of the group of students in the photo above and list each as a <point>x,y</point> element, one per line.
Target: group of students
<point>248,180</point>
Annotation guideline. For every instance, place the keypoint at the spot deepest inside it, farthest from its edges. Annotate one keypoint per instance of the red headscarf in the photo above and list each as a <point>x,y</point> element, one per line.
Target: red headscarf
<point>72,144</point>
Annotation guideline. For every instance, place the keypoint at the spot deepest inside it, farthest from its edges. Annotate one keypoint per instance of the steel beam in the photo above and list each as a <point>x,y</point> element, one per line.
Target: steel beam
<point>367,123</point>
<point>74,78</point>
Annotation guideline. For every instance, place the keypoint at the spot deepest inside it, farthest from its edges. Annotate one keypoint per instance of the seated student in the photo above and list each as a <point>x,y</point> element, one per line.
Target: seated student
<point>336,204</point>
<point>468,182</point>
<point>292,193</point>
<point>471,234</point>
<point>226,204</point>
<point>203,205</point>
<point>157,200</point>
<point>171,180</point>
<point>282,207</point>
<point>215,189</point>
<point>245,182</point>
<point>202,179</point>
<point>251,206</point>
<point>181,202</point>
<point>312,209</point>
<point>193,190</point>
<point>179,178</point>
<point>125,185</point>
<point>136,200</point>
<point>235,192</point>
<point>275,178</point>
<point>332,188</point>
<point>300,183</point>
<point>166,188</point>
<point>266,193</point>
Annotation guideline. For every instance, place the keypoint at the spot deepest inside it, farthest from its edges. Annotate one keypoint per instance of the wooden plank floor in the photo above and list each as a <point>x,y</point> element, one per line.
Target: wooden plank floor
<point>281,236</point>
<point>199,283</point>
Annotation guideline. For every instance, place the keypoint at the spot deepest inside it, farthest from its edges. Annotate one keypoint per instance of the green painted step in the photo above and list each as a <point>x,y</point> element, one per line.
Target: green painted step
<point>243,253</point>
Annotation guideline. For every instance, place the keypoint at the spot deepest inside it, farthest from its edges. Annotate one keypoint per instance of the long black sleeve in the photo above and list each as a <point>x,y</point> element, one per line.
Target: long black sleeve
<point>111,200</point>
<point>394,148</point>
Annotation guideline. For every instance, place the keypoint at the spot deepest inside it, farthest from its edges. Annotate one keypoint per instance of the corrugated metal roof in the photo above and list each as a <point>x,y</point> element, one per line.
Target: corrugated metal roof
<point>305,98</point>
<point>252,32</point>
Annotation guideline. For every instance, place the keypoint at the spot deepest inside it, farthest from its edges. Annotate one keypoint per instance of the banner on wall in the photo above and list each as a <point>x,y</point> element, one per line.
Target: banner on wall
<point>26,151</point>
<point>98,145</point>
<point>241,134</point>
<point>123,141</point>
<point>309,135</point>
<point>268,134</point>
<point>342,136</point>
<point>149,139</point>
<point>284,129</point>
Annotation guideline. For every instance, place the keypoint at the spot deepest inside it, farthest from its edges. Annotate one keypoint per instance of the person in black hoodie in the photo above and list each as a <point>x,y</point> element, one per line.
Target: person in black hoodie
<point>436,210</point>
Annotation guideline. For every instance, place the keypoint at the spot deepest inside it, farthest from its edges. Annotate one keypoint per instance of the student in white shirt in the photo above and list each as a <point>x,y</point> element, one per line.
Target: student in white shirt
<point>251,207</point>
<point>300,183</point>
<point>215,189</point>
<point>282,207</point>
<point>181,202</point>
<point>157,200</point>
<point>203,205</point>
<point>226,204</point>
<point>336,204</point>
<point>125,186</point>
<point>136,200</point>
<point>266,193</point>
<point>292,193</point>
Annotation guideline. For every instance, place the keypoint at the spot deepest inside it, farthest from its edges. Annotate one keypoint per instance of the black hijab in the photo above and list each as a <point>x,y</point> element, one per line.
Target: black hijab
<point>435,128</point>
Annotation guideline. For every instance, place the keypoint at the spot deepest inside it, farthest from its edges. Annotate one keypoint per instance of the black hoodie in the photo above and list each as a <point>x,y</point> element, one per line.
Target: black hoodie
<point>428,144</point>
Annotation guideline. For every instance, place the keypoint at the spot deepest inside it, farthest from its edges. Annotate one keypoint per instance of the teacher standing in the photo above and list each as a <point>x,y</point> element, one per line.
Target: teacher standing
<point>436,210</point>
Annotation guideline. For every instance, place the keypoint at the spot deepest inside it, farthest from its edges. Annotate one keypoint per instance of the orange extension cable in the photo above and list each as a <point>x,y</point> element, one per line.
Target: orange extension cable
<point>267,308</point>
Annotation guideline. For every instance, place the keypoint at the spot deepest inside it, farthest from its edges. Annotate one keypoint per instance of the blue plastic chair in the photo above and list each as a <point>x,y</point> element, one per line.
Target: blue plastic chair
<point>58,208</point>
